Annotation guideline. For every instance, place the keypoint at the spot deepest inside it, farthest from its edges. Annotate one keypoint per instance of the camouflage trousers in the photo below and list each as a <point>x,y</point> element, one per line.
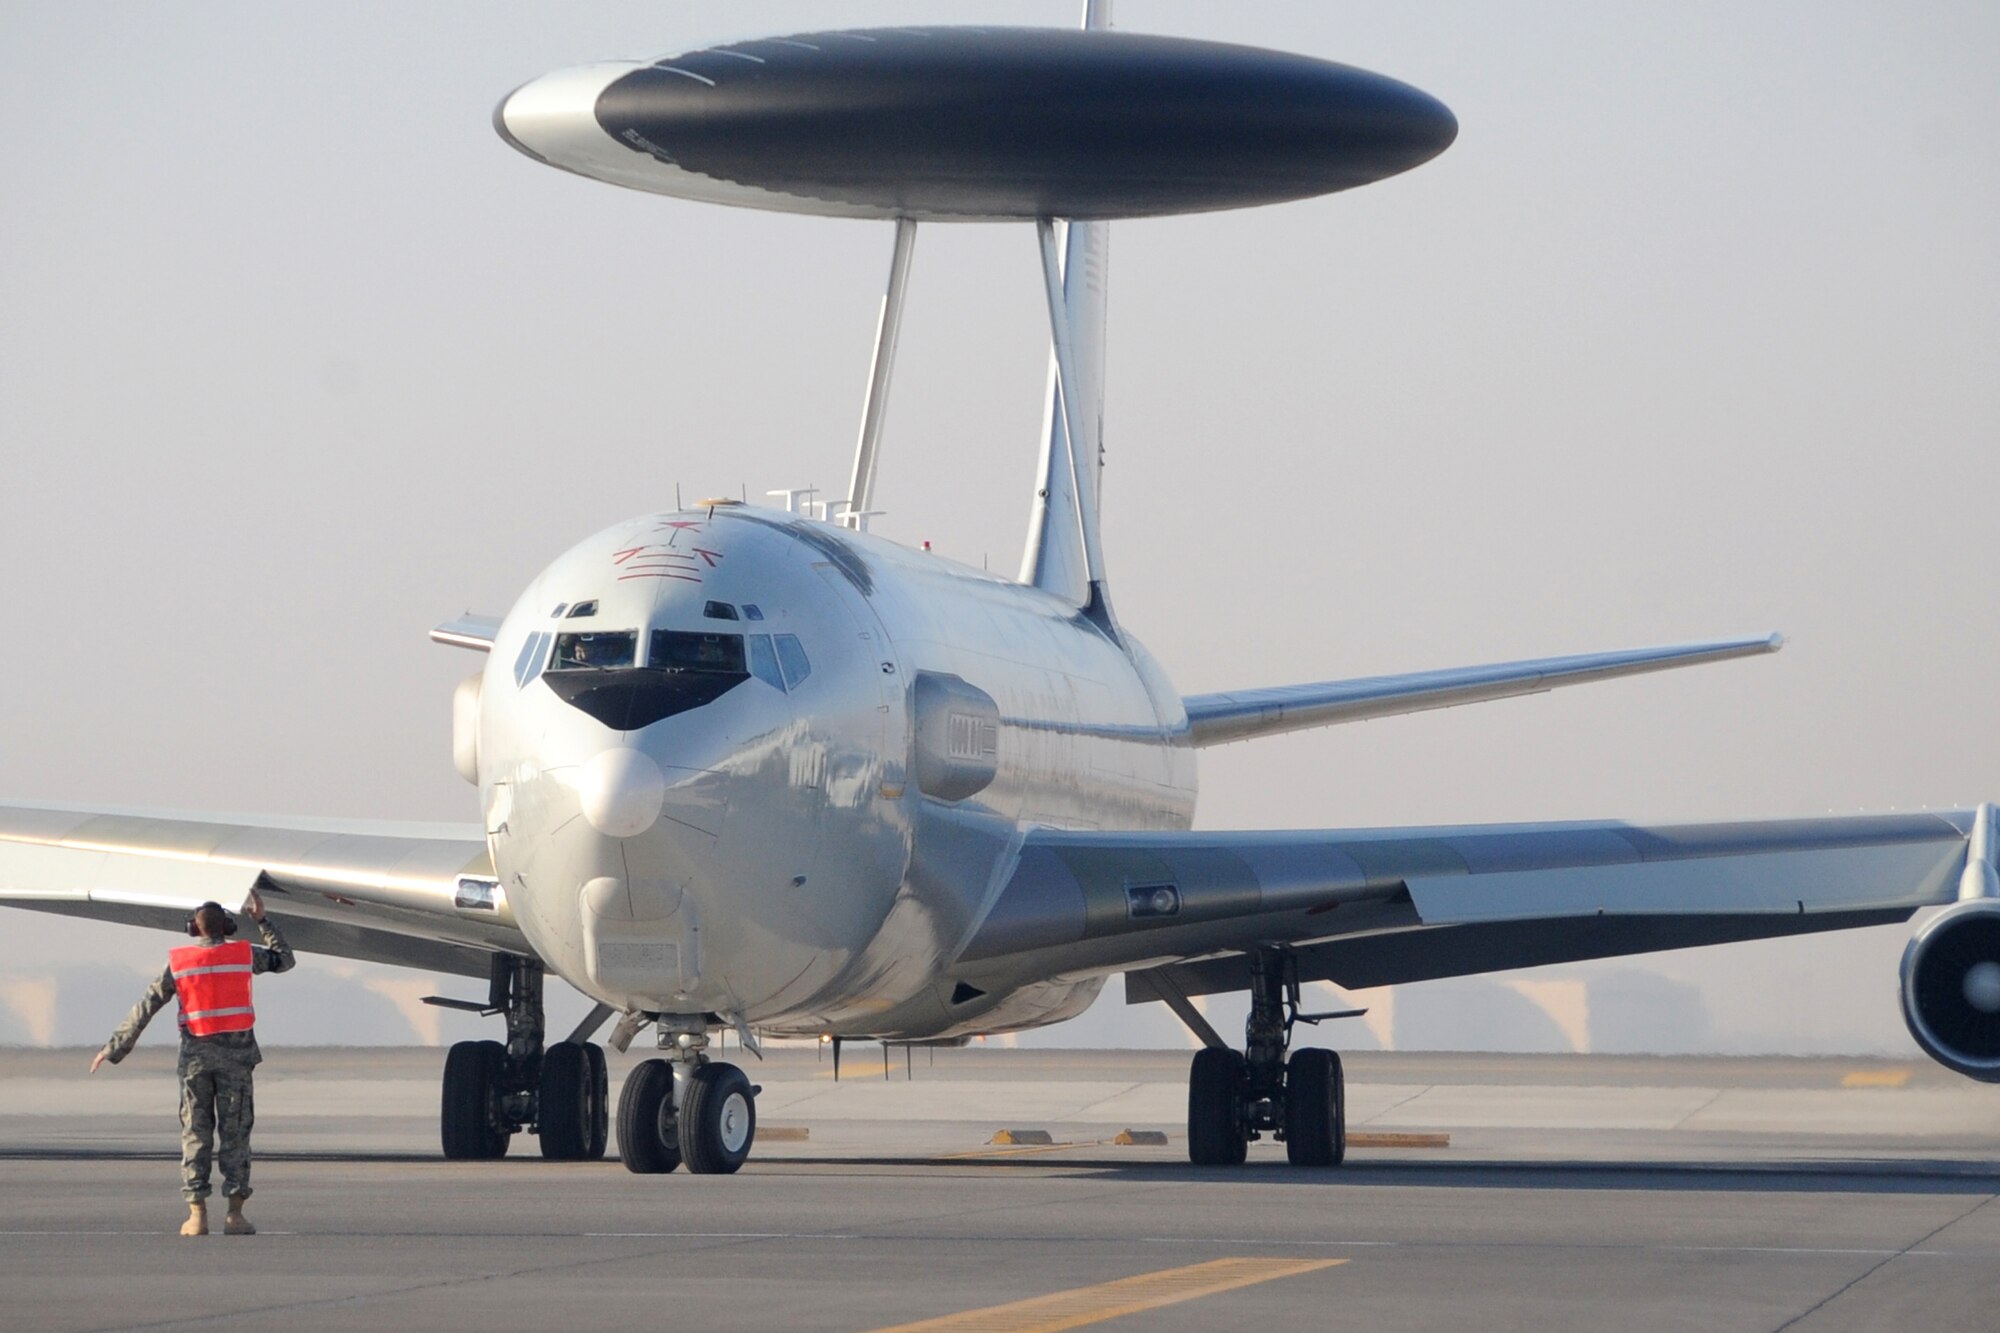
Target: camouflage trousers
<point>215,1103</point>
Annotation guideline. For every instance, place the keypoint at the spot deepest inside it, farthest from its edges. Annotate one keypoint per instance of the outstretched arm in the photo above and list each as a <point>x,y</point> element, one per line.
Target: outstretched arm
<point>127,1036</point>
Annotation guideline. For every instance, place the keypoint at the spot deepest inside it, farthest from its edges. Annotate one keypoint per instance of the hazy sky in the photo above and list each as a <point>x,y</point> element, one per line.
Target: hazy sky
<point>1691,333</point>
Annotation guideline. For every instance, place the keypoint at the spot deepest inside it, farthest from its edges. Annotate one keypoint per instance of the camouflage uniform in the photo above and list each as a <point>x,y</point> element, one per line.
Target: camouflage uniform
<point>214,1073</point>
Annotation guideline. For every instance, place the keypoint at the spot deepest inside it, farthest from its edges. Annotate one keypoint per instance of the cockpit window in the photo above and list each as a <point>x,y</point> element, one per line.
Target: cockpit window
<point>529,664</point>
<point>583,609</point>
<point>678,650</point>
<point>764,661</point>
<point>683,671</point>
<point>595,648</point>
<point>792,656</point>
<point>719,611</point>
<point>560,608</point>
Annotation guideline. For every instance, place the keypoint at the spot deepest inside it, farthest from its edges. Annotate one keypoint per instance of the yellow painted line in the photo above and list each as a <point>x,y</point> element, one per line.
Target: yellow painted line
<point>1392,1139</point>
<point>1112,1300</point>
<point>1876,1078</point>
<point>1013,1152</point>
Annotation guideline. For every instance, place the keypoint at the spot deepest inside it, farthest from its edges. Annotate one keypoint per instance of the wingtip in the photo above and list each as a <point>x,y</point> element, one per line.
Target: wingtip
<point>1775,642</point>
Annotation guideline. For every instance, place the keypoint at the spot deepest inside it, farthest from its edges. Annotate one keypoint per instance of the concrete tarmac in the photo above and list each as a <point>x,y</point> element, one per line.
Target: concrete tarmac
<point>1576,1192</point>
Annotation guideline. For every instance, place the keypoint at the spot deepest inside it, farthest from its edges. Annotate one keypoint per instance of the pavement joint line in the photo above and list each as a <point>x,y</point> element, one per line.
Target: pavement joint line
<point>888,1230</point>
<point>1083,1113</point>
<point>890,1234</point>
<point>711,1235</point>
<point>269,1311</point>
<point>1398,1104</point>
<point>1802,1251</point>
<point>161,1231</point>
<point>1875,1268</point>
<point>1248,1240</point>
<point>1713,1098</point>
<point>1094,1304</point>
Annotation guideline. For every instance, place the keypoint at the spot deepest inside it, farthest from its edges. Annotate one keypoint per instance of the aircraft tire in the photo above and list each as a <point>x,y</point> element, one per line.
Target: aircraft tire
<point>472,1073</point>
<point>1216,1133</point>
<point>599,1098</point>
<point>648,1143</point>
<point>718,1120</point>
<point>564,1105</point>
<point>1315,1109</point>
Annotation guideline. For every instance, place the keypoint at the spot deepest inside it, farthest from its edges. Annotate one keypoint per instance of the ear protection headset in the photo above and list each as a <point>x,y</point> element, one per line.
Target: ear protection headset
<point>193,927</point>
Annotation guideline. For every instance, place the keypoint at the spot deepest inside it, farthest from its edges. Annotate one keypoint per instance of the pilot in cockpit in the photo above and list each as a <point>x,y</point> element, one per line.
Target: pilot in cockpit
<point>599,648</point>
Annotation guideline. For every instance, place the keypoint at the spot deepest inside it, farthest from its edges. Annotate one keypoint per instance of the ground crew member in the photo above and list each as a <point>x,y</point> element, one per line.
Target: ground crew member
<point>211,979</point>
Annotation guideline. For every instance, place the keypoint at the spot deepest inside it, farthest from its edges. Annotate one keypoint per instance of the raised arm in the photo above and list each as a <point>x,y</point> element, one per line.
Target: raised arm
<point>276,955</point>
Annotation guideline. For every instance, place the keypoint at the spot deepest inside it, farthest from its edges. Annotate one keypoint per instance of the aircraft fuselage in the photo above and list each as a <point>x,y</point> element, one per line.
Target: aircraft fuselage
<point>773,768</point>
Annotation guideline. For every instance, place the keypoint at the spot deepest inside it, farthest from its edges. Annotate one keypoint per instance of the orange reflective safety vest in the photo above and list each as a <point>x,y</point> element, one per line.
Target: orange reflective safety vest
<point>213,982</point>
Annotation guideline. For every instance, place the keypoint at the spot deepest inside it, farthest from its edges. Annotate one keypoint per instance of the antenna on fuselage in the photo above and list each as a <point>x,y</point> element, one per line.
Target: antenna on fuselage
<point>875,402</point>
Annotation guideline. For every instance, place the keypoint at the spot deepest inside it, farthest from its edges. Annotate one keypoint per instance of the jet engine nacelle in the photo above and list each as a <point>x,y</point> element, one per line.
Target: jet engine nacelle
<point>1951,988</point>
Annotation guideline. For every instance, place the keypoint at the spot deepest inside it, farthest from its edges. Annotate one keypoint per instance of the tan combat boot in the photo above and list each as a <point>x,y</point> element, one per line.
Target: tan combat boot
<point>197,1223</point>
<point>233,1222</point>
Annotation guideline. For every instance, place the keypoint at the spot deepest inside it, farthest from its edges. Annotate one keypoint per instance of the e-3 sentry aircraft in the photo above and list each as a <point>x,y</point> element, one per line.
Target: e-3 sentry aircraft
<point>755,769</point>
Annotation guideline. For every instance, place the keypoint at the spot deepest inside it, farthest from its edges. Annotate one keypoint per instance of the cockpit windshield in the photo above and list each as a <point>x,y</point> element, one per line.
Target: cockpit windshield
<point>598,672</point>
<point>595,648</point>
<point>678,650</point>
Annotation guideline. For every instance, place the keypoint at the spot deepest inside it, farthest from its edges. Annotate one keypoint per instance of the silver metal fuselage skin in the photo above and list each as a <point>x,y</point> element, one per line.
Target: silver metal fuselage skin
<point>811,859</point>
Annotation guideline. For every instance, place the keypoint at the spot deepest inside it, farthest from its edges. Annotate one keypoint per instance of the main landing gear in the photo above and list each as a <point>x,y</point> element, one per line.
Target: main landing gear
<point>493,1091</point>
<point>1234,1097</point>
<point>703,1113</point>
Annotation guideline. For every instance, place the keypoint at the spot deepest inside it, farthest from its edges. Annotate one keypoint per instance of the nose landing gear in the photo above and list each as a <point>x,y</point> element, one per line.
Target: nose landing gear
<point>703,1114</point>
<point>1236,1097</point>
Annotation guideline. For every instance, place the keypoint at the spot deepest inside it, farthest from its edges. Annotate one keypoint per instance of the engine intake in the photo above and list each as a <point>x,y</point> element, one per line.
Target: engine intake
<point>1951,988</point>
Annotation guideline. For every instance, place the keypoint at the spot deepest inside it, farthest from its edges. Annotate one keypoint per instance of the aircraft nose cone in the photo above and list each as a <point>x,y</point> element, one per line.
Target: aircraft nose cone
<point>621,791</point>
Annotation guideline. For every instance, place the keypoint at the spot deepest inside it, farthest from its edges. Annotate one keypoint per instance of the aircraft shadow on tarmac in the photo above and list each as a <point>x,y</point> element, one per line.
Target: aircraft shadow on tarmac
<point>1855,1175</point>
<point>1848,1176</point>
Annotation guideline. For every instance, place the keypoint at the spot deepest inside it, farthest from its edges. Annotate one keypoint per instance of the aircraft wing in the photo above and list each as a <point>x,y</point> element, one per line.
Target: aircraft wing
<point>1216,719</point>
<point>420,896</point>
<point>468,631</point>
<point>1176,911</point>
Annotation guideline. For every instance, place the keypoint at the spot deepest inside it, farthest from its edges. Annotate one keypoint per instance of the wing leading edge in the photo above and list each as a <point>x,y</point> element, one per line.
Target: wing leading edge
<point>1216,719</point>
<point>412,895</point>
<point>1379,907</point>
<point>467,631</point>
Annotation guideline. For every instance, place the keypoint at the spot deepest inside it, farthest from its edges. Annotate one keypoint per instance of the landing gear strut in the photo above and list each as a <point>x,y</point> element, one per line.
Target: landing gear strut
<point>492,1091</point>
<point>686,1108</point>
<point>1234,1098</point>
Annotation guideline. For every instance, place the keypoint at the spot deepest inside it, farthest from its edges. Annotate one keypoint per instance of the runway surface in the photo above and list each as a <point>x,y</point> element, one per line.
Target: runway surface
<point>1576,1192</point>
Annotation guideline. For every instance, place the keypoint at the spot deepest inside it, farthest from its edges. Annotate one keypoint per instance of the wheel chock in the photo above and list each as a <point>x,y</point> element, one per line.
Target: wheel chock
<point>1130,1138</point>
<point>1035,1137</point>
